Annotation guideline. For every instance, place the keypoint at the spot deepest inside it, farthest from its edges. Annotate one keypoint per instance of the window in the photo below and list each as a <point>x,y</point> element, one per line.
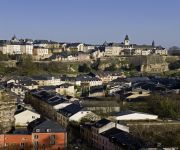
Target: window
<point>37,130</point>
<point>48,130</point>
<point>36,136</point>
<point>33,117</point>
<point>22,144</point>
<point>52,139</point>
<point>36,145</point>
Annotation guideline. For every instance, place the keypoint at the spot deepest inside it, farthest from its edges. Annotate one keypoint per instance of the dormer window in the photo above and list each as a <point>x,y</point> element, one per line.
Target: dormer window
<point>37,130</point>
<point>48,130</point>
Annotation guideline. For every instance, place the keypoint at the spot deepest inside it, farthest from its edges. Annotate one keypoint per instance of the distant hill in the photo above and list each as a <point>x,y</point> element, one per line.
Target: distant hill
<point>175,51</point>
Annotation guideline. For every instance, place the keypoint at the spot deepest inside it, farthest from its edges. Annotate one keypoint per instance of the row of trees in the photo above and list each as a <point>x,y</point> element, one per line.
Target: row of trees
<point>174,65</point>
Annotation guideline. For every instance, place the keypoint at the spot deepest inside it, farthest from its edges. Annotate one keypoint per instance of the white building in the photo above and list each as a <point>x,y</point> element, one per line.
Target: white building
<point>11,49</point>
<point>92,81</point>
<point>161,52</point>
<point>27,49</point>
<point>113,51</point>
<point>132,115</point>
<point>25,117</point>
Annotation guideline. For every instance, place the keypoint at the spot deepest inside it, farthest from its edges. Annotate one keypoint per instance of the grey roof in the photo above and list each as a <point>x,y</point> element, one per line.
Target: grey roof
<point>123,138</point>
<point>41,42</point>
<point>101,123</point>
<point>65,85</point>
<point>143,46</point>
<point>43,125</point>
<point>73,44</point>
<point>70,110</point>
<point>87,78</point>
<point>48,88</point>
<point>138,79</point>
<point>49,97</point>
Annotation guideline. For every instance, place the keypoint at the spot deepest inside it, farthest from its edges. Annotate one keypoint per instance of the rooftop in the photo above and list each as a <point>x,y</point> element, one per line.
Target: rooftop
<point>101,123</point>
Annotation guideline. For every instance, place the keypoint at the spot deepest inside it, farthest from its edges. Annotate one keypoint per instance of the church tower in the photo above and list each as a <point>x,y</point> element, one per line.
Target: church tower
<point>126,40</point>
<point>153,43</point>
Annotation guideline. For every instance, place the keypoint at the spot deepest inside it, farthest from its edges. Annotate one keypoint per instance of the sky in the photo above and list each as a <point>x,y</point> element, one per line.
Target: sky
<point>92,21</point>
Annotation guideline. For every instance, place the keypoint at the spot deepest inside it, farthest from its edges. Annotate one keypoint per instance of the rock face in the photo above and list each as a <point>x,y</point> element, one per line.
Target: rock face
<point>151,63</point>
<point>7,110</point>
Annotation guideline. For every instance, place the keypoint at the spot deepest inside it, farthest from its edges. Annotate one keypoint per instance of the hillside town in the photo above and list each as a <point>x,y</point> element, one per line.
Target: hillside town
<point>111,96</point>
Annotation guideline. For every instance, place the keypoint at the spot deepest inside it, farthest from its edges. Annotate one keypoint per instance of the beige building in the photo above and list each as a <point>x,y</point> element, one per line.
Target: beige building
<point>113,51</point>
<point>47,81</point>
<point>66,89</point>
<point>40,51</point>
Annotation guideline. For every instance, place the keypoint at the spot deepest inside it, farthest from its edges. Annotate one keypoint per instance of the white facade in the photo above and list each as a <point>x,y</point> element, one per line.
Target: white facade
<point>161,52</point>
<point>113,51</point>
<point>3,49</point>
<point>145,52</point>
<point>25,117</point>
<point>91,83</point>
<point>11,49</point>
<point>27,49</point>
<point>49,81</point>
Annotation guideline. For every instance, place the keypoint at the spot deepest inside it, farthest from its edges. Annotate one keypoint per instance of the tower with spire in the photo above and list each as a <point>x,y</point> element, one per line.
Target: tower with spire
<point>14,39</point>
<point>126,40</point>
<point>153,43</point>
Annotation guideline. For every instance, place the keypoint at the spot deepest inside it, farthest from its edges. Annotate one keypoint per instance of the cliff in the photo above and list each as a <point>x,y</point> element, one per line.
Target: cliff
<point>7,110</point>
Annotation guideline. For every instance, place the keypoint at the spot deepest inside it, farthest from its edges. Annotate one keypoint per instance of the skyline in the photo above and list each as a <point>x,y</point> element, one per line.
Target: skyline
<point>92,21</point>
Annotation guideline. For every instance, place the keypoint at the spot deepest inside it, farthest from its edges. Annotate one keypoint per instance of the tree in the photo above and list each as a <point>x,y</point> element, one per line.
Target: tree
<point>174,65</point>
<point>84,68</point>
<point>110,68</point>
<point>96,64</point>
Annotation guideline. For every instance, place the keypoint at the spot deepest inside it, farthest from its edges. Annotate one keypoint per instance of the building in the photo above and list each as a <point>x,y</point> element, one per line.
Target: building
<point>46,103</point>
<point>42,134</point>
<point>81,56</point>
<point>27,49</point>
<point>41,43</point>
<point>127,49</point>
<point>115,139</point>
<point>132,115</point>
<point>113,50</point>
<point>11,48</point>
<point>66,89</point>
<point>40,51</point>
<point>73,112</point>
<point>107,77</point>
<point>161,51</point>
<point>92,133</point>
<point>86,79</point>
<point>47,80</point>
<point>48,134</point>
<point>25,116</point>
